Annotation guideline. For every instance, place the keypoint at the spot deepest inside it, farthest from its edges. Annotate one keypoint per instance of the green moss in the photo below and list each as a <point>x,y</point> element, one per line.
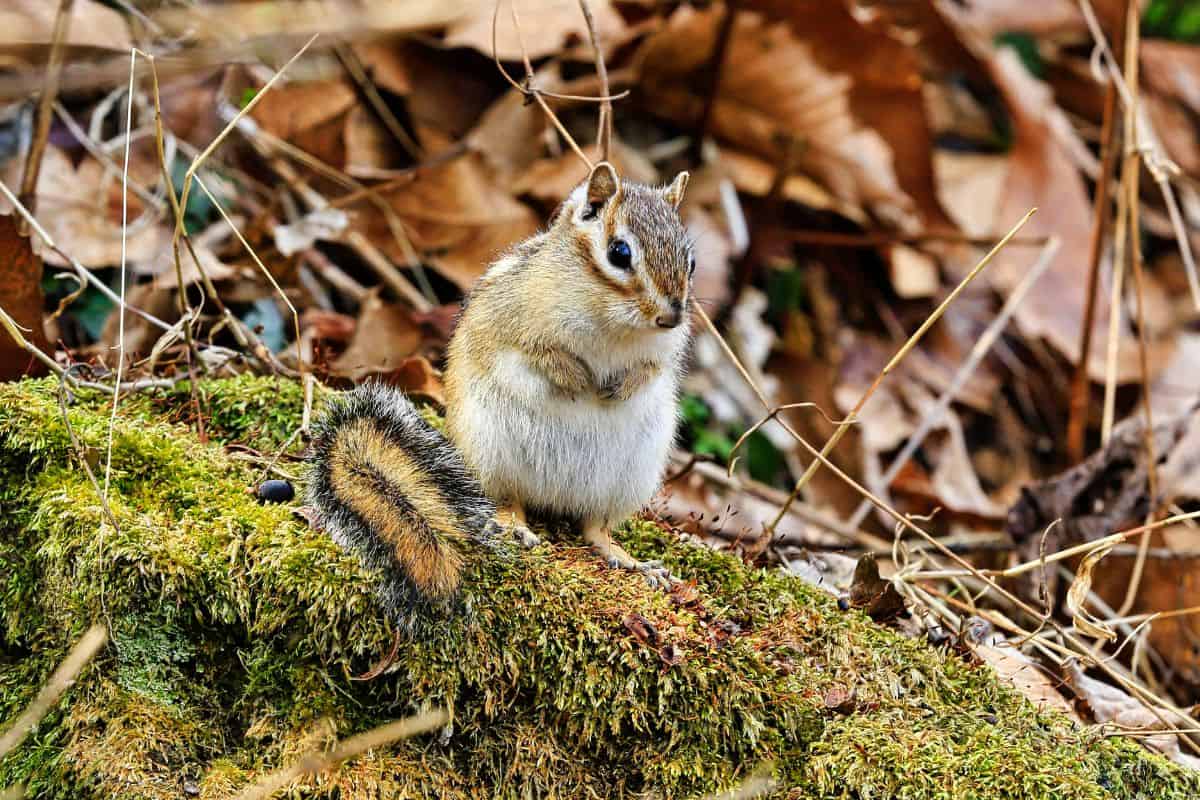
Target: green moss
<point>237,632</point>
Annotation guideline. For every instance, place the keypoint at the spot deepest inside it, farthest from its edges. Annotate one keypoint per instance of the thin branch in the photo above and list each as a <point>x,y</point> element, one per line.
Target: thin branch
<point>605,121</point>
<point>1077,420</point>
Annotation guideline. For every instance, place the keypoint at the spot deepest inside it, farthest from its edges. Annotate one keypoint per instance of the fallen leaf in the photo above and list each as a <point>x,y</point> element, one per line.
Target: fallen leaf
<point>552,179</point>
<point>31,22</point>
<point>1110,704</point>
<point>1043,173</point>
<point>80,207</point>
<point>841,95</point>
<point>874,595</point>
<point>385,336</point>
<point>1025,675</point>
<point>21,298</point>
<point>323,224</point>
<point>457,216</point>
<point>310,115</point>
<point>416,376</point>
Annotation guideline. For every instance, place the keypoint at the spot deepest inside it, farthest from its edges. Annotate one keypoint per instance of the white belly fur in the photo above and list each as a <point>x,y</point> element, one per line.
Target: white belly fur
<point>588,458</point>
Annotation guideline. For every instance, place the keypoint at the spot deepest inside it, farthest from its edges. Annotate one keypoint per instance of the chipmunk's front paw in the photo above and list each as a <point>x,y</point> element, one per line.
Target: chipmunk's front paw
<point>658,576</point>
<point>525,537</point>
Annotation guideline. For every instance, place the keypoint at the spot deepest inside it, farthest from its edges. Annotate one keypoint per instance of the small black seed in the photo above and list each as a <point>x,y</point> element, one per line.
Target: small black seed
<point>843,604</point>
<point>275,491</point>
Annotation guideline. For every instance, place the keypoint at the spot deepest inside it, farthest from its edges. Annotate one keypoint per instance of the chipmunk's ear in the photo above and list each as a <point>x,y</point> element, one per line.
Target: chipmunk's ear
<point>674,192</point>
<point>602,185</point>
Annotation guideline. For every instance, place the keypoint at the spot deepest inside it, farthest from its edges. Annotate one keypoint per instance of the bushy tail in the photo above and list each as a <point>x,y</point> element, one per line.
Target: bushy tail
<point>387,484</point>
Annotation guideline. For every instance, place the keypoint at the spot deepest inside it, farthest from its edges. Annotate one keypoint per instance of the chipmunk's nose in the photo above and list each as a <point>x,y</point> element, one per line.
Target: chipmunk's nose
<point>672,318</point>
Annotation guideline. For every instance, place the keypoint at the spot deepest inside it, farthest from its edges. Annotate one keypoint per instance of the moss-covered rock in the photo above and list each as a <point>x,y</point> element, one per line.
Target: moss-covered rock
<point>237,632</point>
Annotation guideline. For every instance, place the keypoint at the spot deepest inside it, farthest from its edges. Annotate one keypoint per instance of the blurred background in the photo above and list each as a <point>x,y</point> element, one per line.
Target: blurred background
<point>852,164</point>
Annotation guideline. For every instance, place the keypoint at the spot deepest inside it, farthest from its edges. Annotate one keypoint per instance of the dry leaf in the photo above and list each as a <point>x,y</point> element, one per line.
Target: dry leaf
<point>913,273</point>
<point>773,91</point>
<point>31,22</point>
<point>323,224</point>
<point>1077,598</point>
<point>552,179</point>
<point>385,336</point>
<point>459,219</point>
<point>385,64</point>
<point>21,298</point>
<point>1043,174</point>
<point>1110,704</point>
<point>416,376</point>
<point>1014,667</point>
<point>81,208</point>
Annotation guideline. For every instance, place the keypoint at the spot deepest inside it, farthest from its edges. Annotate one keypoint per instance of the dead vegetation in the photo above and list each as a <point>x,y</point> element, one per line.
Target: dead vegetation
<point>306,189</point>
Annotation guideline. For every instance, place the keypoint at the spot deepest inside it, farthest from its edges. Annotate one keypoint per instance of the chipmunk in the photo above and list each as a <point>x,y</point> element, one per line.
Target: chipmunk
<point>561,383</point>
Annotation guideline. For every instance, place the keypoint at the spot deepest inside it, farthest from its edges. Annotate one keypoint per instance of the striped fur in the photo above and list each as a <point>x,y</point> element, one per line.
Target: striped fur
<point>387,485</point>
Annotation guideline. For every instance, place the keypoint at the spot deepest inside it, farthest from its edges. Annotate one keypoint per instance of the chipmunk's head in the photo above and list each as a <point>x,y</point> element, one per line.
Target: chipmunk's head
<point>633,249</point>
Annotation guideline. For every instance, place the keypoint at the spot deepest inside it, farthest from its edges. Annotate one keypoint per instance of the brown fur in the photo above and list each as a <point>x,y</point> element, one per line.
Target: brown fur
<point>362,468</point>
<point>512,307</point>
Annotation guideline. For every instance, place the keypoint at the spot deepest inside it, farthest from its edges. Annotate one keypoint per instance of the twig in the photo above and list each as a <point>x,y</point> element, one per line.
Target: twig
<point>80,270</point>
<point>356,745</point>
<point>1072,644</point>
<point>62,679</point>
<point>1077,420</point>
<point>968,367</point>
<point>1135,250</point>
<point>605,121</point>
<point>527,87</point>
<point>112,422</point>
<point>41,134</point>
<point>900,354</point>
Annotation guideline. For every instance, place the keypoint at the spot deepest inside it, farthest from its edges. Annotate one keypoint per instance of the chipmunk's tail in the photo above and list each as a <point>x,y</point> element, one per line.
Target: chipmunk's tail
<point>385,483</point>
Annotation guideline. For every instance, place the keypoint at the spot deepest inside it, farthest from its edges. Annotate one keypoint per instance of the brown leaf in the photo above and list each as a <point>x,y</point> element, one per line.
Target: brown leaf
<point>552,179</point>
<point>642,629</point>
<point>29,23</point>
<point>416,376</point>
<point>80,207</point>
<point>546,25</point>
<point>1014,667</point>
<point>792,88</point>
<point>1110,704</point>
<point>310,115</point>
<point>21,297</point>
<point>385,336</point>
<point>1043,174</point>
<point>873,594</point>
<point>458,218</point>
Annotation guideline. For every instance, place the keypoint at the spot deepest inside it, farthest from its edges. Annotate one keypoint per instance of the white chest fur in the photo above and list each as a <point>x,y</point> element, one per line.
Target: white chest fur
<point>591,458</point>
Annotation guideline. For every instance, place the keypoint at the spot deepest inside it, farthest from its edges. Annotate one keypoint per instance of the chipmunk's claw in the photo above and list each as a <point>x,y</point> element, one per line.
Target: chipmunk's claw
<point>525,537</point>
<point>658,576</point>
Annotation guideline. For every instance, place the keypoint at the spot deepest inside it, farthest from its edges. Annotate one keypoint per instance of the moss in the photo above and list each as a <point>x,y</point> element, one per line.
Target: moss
<point>237,632</point>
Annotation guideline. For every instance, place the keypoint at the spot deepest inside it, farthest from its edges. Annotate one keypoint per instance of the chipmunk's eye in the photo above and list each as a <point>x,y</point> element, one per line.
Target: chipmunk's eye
<point>619,254</point>
<point>691,266</point>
